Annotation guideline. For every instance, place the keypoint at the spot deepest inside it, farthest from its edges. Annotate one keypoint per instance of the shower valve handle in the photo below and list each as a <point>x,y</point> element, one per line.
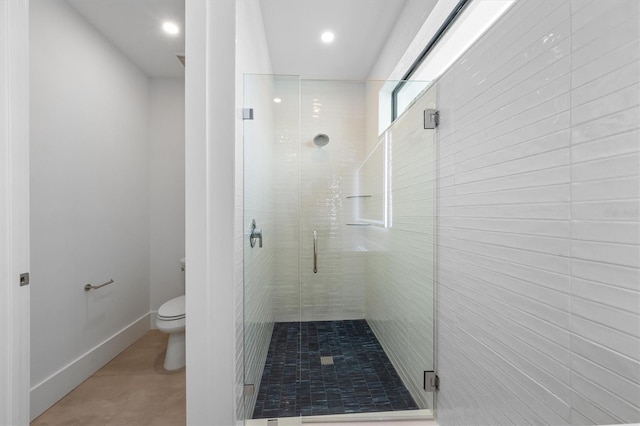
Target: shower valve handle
<point>256,234</point>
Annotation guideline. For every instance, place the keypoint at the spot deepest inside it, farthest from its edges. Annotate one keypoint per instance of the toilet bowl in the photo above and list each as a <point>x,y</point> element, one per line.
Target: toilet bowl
<point>171,320</point>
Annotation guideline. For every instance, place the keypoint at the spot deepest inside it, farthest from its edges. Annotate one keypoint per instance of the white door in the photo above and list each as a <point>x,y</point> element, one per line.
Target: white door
<point>14,212</point>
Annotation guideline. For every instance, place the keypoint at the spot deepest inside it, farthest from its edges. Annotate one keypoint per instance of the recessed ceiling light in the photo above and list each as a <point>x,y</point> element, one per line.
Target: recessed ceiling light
<point>277,100</point>
<point>170,28</point>
<point>327,37</point>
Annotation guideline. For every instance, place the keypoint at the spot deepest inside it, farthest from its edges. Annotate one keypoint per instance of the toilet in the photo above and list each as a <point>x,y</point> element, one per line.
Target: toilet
<point>171,320</point>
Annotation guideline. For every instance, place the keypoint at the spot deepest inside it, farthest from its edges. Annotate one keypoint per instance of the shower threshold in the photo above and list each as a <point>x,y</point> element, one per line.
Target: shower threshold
<point>423,417</point>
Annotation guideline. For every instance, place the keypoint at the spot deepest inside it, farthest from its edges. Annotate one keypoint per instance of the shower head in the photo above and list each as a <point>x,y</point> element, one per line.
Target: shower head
<point>320,140</point>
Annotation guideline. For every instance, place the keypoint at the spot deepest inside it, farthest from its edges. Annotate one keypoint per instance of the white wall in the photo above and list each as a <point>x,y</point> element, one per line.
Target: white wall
<point>14,212</point>
<point>89,201</point>
<point>166,190</point>
<point>411,19</point>
<point>538,255</point>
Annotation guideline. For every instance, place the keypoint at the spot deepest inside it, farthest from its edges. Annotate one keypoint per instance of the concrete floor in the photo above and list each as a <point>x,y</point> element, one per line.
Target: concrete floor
<point>131,390</point>
<point>134,390</point>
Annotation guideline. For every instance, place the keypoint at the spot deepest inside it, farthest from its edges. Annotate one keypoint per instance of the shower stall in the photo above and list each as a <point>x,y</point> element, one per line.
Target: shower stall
<point>339,249</point>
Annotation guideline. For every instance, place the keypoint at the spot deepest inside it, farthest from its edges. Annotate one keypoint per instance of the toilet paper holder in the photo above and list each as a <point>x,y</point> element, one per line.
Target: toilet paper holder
<point>88,287</point>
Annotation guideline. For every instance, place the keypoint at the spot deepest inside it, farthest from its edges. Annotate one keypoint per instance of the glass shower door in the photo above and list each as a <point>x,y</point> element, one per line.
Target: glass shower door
<point>271,270</point>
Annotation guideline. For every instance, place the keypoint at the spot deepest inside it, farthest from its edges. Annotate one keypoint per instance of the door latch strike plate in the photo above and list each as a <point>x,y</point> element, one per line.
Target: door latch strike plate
<point>24,279</point>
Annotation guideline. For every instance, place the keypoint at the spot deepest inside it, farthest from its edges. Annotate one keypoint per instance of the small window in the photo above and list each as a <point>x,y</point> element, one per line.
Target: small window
<point>466,22</point>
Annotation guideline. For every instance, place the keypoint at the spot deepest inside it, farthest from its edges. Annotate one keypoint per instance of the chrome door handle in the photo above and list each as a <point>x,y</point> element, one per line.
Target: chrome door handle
<point>315,252</point>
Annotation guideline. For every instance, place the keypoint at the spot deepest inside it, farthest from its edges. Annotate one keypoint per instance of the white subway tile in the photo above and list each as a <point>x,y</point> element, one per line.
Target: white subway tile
<point>612,146</point>
<point>613,167</point>
<point>616,297</point>
<point>616,275</point>
<point>610,211</point>
<point>617,58</point>
<point>590,410</point>
<point>612,339</point>
<point>599,16</point>
<point>606,357</point>
<point>610,402</point>
<point>622,99</point>
<point>618,254</point>
<point>545,194</point>
<point>579,419</point>
<point>625,30</point>
<point>524,151</point>
<point>613,232</point>
<point>624,321</point>
<point>472,148</point>
<point>512,196</point>
<point>557,211</point>
<point>609,381</point>
<point>620,78</point>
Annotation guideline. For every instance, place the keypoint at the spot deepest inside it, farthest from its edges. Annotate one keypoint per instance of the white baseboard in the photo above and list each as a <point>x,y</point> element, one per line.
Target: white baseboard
<point>152,320</point>
<point>53,388</point>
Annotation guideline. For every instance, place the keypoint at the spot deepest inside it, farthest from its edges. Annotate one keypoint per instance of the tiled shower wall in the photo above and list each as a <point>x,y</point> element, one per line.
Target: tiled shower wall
<point>311,187</point>
<point>538,255</point>
<point>259,204</point>
<point>286,181</point>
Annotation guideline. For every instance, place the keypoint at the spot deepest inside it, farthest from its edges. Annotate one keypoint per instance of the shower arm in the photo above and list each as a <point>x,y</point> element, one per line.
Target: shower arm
<point>315,252</point>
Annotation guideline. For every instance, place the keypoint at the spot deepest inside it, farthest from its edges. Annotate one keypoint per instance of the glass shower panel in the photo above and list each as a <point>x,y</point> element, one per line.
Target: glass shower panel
<point>400,271</point>
<point>367,252</point>
<point>271,182</point>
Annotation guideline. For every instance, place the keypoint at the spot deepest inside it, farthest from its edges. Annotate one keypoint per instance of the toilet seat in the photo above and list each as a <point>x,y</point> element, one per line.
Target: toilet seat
<point>173,309</point>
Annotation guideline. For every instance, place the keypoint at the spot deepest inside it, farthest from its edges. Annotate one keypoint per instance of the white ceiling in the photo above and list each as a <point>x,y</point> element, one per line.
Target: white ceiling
<point>361,27</point>
<point>292,27</point>
<point>134,27</point>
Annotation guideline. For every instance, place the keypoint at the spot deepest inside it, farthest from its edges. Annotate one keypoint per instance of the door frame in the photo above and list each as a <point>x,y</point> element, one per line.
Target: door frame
<point>14,211</point>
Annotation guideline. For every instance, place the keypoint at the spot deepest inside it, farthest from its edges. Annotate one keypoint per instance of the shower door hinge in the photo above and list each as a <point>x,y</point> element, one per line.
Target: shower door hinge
<point>249,389</point>
<point>431,118</point>
<point>431,381</point>
<point>247,113</point>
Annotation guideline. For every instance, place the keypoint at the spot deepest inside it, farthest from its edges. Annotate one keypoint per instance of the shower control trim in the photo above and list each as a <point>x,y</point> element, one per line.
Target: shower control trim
<point>256,234</point>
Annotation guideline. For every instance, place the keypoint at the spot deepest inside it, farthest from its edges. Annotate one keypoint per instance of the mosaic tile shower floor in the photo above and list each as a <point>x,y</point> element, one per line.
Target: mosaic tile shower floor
<point>361,380</point>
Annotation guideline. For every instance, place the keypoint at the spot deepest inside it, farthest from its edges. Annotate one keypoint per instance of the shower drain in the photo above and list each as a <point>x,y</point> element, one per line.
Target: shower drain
<point>326,360</point>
